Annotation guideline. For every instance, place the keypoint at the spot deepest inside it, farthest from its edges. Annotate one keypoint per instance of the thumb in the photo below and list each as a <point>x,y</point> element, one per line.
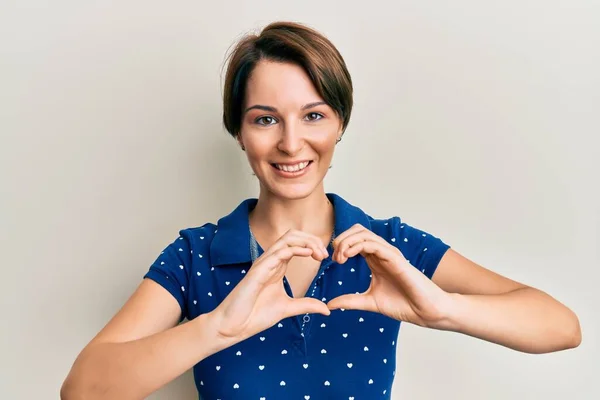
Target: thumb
<point>307,305</point>
<point>352,302</point>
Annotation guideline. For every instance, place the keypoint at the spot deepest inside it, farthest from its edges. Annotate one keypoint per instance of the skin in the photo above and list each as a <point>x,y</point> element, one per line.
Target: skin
<point>299,126</point>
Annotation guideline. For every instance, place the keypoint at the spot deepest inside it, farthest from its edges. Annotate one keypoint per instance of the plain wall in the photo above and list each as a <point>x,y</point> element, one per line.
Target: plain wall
<point>475,121</point>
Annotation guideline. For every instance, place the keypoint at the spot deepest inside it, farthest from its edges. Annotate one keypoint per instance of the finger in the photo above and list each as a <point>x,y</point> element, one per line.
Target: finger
<point>297,241</point>
<point>350,231</point>
<point>381,251</point>
<point>353,302</point>
<point>306,305</point>
<point>268,263</point>
<point>361,236</point>
<point>298,238</point>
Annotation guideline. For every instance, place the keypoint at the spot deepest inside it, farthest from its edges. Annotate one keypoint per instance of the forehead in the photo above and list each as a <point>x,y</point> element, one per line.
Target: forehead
<point>276,82</point>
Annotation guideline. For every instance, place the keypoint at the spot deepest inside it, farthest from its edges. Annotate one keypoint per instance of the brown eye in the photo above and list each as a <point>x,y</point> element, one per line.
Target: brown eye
<point>313,116</point>
<point>266,120</point>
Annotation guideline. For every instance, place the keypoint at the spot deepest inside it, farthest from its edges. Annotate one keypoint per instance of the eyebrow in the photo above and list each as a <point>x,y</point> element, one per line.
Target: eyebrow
<point>273,109</point>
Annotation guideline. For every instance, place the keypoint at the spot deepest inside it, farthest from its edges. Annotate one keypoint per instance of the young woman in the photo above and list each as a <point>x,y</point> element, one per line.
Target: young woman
<point>298,294</point>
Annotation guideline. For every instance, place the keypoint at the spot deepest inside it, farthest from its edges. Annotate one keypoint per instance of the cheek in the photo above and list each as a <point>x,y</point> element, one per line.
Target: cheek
<point>325,144</point>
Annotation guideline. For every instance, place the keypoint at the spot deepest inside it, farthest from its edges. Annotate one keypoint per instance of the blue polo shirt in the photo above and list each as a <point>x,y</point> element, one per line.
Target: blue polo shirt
<point>350,354</point>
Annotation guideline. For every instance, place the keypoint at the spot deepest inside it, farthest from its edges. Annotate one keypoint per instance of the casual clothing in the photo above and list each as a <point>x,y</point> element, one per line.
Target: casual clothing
<point>349,354</point>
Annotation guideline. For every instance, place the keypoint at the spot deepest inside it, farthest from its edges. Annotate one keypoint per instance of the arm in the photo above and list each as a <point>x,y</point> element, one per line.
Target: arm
<point>491,307</point>
<point>141,349</point>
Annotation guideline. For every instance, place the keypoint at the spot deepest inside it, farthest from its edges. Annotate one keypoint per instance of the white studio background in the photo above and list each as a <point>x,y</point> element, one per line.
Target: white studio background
<point>475,120</point>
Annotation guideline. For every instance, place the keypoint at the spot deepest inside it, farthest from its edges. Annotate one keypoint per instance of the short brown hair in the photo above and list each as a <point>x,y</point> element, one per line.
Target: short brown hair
<point>294,43</point>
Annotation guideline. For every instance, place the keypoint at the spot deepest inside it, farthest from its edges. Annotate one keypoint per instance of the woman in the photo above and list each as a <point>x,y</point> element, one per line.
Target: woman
<point>316,314</point>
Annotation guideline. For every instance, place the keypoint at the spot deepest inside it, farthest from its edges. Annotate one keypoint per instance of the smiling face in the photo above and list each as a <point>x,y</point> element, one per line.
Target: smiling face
<point>288,131</point>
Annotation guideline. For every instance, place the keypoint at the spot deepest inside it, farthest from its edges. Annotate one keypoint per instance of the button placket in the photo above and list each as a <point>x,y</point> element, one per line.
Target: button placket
<point>306,319</point>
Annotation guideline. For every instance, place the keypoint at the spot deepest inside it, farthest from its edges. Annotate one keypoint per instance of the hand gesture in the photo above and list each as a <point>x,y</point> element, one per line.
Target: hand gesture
<point>259,301</point>
<point>397,289</point>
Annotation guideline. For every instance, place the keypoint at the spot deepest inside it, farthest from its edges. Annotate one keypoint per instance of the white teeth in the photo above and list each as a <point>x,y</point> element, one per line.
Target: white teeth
<point>292,168</point>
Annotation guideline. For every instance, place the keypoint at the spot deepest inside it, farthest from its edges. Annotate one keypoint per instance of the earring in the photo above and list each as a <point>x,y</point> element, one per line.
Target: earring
<point>338,140</point>
<point>243,148</point>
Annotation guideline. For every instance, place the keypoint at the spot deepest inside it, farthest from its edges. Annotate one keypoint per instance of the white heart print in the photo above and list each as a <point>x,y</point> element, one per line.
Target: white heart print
<point>236,386</point>
<point>305,366</point>
<point>327,383</point>
<point>349,365</point>
<point>261,367</point>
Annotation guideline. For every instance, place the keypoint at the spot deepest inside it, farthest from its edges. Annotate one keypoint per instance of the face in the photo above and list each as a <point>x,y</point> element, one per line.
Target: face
<point>288,131</point>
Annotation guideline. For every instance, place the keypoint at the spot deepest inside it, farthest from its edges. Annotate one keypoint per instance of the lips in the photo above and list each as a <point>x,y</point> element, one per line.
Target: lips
<point>292,170</point>
<point>299,166</point>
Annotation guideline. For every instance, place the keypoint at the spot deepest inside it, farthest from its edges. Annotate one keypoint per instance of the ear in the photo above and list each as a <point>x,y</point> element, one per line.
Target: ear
<point>238,137</point>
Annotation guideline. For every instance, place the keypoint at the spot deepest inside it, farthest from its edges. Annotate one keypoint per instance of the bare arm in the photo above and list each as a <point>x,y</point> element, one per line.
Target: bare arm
<point>494,308</point>
<point>141,349</point>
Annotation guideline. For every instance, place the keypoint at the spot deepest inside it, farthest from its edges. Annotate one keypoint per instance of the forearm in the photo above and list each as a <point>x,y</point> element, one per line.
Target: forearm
<point>526,320</point>
<point>133,370</point>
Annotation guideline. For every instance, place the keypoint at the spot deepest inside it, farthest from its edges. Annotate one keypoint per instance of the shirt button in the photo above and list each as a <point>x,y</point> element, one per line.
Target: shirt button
<point>306,318</point>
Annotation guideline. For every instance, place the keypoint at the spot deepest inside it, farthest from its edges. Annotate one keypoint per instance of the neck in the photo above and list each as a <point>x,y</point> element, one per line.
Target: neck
<point>274,216</point>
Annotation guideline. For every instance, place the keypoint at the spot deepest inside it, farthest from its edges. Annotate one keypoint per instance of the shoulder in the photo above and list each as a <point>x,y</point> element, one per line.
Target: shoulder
<point>421,248</point>
<point>199,235</point>
<point>190,242</point>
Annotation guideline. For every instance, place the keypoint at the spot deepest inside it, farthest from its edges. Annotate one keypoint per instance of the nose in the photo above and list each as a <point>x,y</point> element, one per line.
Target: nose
<point>291,141</point>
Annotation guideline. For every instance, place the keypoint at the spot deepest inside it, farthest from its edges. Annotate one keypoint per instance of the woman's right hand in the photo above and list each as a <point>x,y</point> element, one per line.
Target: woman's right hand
<point>259,300</point>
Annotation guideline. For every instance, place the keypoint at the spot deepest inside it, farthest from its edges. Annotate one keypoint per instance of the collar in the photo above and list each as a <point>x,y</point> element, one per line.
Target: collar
<point>231,243</point>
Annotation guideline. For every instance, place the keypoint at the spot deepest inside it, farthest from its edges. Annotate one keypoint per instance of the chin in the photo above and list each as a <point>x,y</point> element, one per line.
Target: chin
<point>290,189</point>
<point>291,192</point>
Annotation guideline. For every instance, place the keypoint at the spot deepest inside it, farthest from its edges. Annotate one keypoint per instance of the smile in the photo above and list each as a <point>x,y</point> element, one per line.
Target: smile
<point>292,170</point>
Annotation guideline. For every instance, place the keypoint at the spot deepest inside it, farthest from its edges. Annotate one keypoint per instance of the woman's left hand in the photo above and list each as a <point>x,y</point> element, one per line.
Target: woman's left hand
<point>397,289</point>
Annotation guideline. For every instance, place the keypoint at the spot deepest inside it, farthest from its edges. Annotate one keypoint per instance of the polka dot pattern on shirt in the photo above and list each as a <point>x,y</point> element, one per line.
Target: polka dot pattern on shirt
<point>350,354</point>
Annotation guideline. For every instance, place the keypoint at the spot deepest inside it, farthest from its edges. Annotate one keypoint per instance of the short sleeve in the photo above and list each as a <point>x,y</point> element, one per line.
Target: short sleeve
<point>422,249</point>
<point>170,270</point>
